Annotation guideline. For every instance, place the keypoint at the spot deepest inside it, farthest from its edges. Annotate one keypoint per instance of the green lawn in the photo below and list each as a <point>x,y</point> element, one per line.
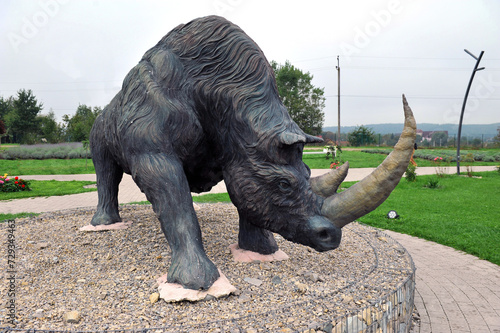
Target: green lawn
<point>462,212</point>
<point>47,167</point>
<point>357,159</point>
<point>48,188</point>
<point>5,217</point>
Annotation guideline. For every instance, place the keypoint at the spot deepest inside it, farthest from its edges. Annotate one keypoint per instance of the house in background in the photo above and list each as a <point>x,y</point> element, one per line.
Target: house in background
<point>427,135</point>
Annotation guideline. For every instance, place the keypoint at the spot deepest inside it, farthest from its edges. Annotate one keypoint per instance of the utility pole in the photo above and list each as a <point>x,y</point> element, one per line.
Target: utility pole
<point>338,99</point>
<point>478,59</point>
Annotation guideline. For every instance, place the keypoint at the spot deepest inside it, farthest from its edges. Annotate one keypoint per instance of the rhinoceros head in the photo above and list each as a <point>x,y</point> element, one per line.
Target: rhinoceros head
<point>278,194</point>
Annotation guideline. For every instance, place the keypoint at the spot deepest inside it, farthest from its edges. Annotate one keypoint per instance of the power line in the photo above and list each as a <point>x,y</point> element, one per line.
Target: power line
<point>401,68</point>
<point>413,97</point>
<point>63,82</point>
<point>388,57</point>
<point>418,68</point>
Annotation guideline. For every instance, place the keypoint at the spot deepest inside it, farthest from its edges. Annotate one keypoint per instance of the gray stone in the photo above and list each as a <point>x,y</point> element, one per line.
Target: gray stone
<point>254,281</point>
<point>243,298</point>
<point>209,297</point>
<point>314,277</point>
<point>276,279</point>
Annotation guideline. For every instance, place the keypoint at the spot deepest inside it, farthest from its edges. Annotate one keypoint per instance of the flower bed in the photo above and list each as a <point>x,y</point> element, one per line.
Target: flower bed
<point>15,184</point>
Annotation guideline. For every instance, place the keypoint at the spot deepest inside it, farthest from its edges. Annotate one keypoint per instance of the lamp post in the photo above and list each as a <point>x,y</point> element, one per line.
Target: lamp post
<point>478,59</point>
<point>338,100</point>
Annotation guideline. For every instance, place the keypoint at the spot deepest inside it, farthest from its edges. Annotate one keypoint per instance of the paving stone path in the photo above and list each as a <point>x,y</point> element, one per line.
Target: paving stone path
<point>455,292</point>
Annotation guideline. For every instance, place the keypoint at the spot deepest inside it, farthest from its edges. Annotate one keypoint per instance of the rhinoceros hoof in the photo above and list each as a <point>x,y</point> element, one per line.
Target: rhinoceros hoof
<point>241,255</point>
<point>106,227</point>
<point>174,292</point>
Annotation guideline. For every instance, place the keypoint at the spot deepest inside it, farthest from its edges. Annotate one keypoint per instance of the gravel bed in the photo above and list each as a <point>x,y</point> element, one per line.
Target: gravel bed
<point>109,277</point>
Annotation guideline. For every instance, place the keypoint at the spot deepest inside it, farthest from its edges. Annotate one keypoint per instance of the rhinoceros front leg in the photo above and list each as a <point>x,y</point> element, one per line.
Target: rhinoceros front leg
<point>163,181</point>
<point>255,239</point>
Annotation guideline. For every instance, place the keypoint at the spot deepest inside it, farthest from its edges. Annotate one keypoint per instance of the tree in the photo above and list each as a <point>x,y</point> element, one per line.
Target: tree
<point>22,119</point>
<point>305,103</point>
<point>5,109</point>
<point>439,139</point>
<point>389,139</point>
<point>49,129</point>
<point>496,139</point>
<point>78,126</point>
<point>2,128</point>
<point>361,135</point>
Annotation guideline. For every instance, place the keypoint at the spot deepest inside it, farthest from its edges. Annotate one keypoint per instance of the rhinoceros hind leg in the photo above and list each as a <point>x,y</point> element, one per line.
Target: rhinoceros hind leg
<point>164,182</point>
<point>253,238</point>
<point>109,174</point>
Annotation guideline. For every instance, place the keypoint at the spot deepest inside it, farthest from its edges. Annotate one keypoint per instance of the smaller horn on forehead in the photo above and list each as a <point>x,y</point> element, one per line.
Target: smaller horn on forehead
<point>327,184</point>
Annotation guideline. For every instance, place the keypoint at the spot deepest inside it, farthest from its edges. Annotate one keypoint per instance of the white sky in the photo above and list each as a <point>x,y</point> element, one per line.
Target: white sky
<point>78,52</point>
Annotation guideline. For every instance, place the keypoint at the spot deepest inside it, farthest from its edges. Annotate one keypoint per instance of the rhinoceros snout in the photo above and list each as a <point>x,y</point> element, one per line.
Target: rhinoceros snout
<point>323,234</point>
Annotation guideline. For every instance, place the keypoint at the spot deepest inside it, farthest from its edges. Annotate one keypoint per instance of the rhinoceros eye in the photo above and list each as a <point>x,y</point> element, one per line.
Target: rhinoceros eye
<point>284,185</point>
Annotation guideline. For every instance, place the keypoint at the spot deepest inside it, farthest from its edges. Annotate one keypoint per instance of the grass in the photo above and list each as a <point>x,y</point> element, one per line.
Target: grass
<point>5,217</point>
<point>425,157</point>
<point>204,198</point>
<point>456,211</point>
<point>212,197</point>
<point>460,212</point>
<point>47,167</point>
<point>357,159</point>
<point>47,188</point>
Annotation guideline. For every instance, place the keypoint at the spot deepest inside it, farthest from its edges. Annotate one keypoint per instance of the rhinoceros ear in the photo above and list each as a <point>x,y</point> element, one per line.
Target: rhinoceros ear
<point>290,138</point>
<point>313,139</point>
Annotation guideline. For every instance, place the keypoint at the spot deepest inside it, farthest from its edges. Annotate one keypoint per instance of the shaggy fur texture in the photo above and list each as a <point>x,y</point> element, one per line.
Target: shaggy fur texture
<point>201,106</point>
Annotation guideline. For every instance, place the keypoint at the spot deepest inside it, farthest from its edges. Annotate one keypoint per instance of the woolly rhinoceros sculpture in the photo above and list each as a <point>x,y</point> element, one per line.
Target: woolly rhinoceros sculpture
<point>202,106</point>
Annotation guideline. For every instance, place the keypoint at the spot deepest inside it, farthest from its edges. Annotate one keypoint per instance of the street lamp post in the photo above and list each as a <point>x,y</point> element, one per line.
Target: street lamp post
<point>338,100</point>
<point>478,59</point>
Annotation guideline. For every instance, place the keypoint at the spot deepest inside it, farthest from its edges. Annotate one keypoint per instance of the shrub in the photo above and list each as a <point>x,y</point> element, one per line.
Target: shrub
<point>479,157</point>
<point>410,174</point>
<point>432,183</point>
<point>45,151</point>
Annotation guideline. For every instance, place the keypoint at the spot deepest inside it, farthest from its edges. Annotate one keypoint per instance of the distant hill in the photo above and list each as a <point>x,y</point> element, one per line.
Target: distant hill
<point>486,130</point>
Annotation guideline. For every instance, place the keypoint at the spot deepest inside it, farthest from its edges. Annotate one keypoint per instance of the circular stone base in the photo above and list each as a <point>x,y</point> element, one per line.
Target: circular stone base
<point>108,277</point>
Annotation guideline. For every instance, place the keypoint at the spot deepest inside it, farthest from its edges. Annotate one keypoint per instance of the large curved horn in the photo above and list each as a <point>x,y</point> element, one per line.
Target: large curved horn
<point>369,193</point>
<point>327,184</point>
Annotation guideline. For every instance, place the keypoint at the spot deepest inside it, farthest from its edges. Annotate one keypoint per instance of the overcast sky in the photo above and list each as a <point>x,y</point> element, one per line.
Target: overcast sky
<point>78,52</point>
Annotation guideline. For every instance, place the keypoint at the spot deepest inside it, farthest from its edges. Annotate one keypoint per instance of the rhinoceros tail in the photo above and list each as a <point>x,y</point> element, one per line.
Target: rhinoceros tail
<point>363,197</point>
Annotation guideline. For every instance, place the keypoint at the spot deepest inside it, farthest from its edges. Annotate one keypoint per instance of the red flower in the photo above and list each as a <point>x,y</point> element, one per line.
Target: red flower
<point>16,178</point>
<point>16,181</point>
<point>22,186</point>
